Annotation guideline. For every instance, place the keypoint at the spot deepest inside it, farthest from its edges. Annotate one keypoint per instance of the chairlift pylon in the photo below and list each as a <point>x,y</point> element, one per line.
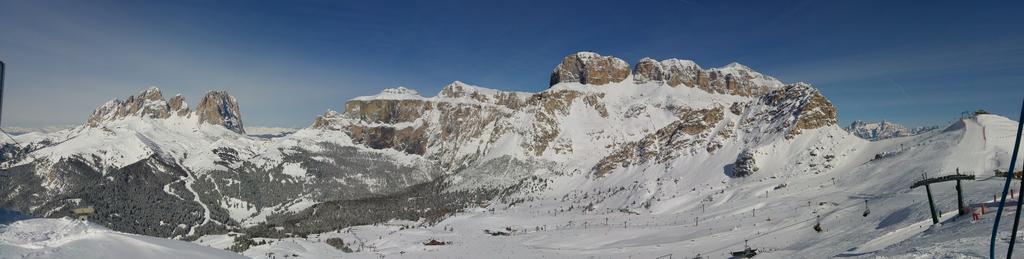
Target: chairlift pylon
<point>3,70</point>
<point>867,210</point>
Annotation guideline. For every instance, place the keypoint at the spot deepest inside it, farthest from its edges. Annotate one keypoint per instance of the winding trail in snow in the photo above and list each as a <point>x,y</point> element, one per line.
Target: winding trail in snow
<point>190,179</point>
<point>167,189</point>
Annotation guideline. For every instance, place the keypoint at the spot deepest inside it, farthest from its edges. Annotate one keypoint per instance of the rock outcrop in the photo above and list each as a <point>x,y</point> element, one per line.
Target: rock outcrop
<point>217,107</point>
<point>220,108</point>
<point>178,106</point>
<point>734,79</point>
<point>673,72</point>
<point>745,164</point>
<point>590,69</point>
<point>817,112</point>
<point>149,104</point>
<point>594,69</point>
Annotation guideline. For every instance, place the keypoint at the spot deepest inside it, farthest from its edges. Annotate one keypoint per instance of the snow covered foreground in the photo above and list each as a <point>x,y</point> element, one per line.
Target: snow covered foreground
<point>68,238</point>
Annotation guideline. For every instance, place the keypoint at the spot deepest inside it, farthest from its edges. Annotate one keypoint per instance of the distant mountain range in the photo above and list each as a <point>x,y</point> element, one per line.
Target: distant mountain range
<point>875,131</point>
<point>661,138</point>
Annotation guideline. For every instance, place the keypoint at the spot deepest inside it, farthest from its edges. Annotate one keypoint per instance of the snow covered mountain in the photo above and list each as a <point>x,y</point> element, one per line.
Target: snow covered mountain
<point>196,166</point>
<point>875,131</point>
<point>675,154</point>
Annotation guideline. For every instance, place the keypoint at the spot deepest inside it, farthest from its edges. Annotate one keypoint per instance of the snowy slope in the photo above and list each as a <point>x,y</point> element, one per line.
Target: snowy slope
<point>710,214</point>
<point>67,238</point>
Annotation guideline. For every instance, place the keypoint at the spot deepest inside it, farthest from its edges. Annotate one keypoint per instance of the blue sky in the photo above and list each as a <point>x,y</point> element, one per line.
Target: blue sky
<point>917,63</point>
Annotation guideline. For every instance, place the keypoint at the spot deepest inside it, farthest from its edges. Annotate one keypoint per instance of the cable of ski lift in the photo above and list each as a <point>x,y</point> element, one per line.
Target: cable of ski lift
<point>1006,188</point>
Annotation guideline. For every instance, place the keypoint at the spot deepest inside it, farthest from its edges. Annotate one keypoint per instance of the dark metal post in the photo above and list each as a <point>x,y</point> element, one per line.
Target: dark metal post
<point>960,198</point>
<point>3,68</point>
<point>1006,187</point>
<point>1016,219</point>
<point>931,204</point>
<point>960,195</point>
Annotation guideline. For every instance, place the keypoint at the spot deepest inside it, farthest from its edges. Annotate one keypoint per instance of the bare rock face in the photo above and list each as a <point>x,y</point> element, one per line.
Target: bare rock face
<point>220,108</point>
<point>591,69</point>
<point>178,106</point>
<point>673,72</point>
<point>795,108</point>
<point>148,104</point>
<point>734,79</point>
<point>386,111</point>
<point>217,108</point>
<point>740,80</point>
<point>817,112</point>
<point>693,130</point>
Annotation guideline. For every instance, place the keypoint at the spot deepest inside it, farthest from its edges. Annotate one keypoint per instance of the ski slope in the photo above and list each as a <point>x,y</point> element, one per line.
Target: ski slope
<point>777,221</point>
<point>68,238</point>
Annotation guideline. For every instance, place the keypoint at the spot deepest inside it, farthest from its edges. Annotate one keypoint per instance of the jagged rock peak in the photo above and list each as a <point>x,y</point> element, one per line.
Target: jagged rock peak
<point>878,130</point>
<point>397,93</point>
<point>591,69</point>
<point>815,110</point>
<point>734,78</point>
<point>217,107</point>
<point>875,131</point>
<point>178,105</point>
<point>673,72</point>
<point>220,108</point>
<point>149,103</point>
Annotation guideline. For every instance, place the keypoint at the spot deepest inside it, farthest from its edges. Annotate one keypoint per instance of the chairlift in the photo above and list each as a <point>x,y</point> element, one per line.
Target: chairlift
<point>747,252</point>
<point>867,211</point>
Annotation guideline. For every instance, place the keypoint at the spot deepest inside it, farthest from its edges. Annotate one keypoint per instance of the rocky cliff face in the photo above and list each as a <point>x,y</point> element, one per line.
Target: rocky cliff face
<point>594,69</point>
<point>220,108</point>
<point>178,106</point>
<point>149,104</point>
<point>734,79</point>
<point>591,69</point>
<point>465,123</point>
<point>217,108</point>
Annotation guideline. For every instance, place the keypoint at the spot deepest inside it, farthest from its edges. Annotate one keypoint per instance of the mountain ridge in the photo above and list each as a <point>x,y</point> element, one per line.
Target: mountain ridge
<point>655,140</point>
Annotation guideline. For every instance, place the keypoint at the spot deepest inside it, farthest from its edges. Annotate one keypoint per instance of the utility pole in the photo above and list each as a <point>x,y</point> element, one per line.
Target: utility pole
<point>3,68</point>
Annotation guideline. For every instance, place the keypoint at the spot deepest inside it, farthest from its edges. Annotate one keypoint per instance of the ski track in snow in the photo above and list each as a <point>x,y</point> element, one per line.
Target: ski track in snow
<point>189,180</point>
